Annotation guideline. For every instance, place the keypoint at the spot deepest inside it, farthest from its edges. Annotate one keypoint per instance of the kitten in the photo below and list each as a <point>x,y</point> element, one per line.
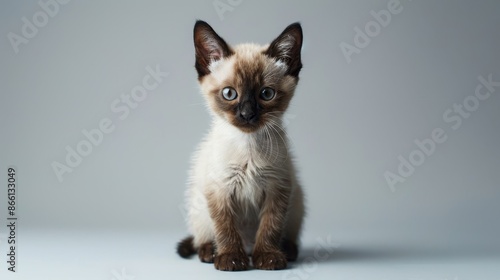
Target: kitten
<point>243,194</point>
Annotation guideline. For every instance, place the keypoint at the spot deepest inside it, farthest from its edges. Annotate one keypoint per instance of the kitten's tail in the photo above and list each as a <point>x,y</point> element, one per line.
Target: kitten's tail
<point>185,248</point>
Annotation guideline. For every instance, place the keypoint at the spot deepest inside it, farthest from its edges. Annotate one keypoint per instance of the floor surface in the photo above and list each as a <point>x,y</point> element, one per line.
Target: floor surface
<point>126,255</point>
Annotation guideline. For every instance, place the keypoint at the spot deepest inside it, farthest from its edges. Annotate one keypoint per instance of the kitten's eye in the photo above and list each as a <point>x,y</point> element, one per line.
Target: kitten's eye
<point>267,94</point>
<point>229,93</point>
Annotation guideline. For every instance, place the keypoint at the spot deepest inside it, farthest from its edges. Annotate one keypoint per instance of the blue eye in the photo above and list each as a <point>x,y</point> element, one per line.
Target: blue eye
<point>229,93</point>
<point>267,94</point>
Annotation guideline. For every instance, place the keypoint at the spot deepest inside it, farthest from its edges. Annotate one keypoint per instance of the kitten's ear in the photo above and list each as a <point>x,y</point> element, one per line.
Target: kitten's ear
<point>287,48</point>
<point>209,47</point>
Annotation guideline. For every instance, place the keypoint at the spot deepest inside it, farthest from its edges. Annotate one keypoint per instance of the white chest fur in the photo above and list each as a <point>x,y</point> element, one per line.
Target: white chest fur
<point>241,164</point>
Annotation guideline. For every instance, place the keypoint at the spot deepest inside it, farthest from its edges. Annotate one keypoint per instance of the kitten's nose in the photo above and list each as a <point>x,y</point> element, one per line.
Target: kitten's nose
<point>247,112</point>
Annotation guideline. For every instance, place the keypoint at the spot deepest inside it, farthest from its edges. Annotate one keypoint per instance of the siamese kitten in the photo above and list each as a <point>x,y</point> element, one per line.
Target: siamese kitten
<point>243,195</point>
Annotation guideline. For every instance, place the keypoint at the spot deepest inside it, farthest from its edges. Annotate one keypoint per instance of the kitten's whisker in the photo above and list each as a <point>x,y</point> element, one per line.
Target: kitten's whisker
<point>273,152</point>
<point>269,146</point>
<point>280,126</point>
<point>266,134</point>
<point>280,130</point>
<point>276,124</point>
<point>274,127</point>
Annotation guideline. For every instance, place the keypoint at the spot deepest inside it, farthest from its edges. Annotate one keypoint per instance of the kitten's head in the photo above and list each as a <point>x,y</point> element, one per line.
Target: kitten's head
<point>248,85</point>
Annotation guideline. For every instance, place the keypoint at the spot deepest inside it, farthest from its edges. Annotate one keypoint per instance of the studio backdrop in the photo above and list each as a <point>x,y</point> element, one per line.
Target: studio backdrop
<point>394,129</point>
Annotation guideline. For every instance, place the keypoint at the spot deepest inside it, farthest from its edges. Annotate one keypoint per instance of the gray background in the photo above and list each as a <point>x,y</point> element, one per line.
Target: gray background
<point>122,207</point>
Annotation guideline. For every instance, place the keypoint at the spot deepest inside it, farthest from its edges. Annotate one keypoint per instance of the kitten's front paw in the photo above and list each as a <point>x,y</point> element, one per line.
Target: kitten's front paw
<point>269,260</point>
<point>233,261</point>
<point>206,253</point>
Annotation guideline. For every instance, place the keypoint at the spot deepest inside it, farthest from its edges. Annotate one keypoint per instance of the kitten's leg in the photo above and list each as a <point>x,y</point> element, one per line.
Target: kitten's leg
<point>293,226</point>
<point>267,253</point>
<point>290,250</point>
<point>230,254</point>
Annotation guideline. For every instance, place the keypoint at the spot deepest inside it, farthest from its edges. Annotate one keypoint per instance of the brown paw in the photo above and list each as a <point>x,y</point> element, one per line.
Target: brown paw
<point>206,253</point>
<point>269,260</point>
<point>290,250</point>
<point>234,261</point>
